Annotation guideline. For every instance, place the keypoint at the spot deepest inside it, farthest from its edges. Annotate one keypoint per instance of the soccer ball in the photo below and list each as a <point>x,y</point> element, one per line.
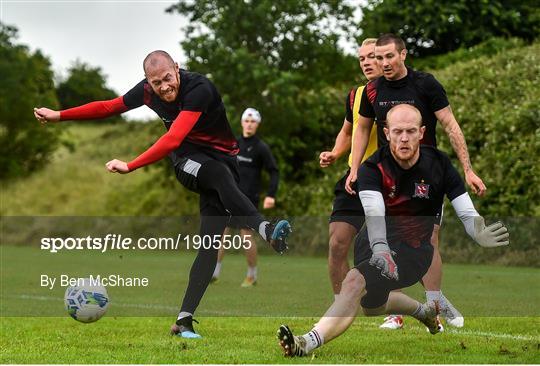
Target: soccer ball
<point>87,302</point>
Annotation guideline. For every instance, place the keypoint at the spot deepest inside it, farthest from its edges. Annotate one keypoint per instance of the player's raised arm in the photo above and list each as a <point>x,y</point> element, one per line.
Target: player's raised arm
<point>457,139</point>
<point>93,110</point>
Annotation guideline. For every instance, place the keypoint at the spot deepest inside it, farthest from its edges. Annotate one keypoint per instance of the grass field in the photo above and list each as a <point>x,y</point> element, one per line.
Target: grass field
<point>500,305</point>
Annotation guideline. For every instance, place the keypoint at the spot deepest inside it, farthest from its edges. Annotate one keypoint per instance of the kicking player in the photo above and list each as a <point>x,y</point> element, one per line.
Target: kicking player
<point>399,85</point>
<point>347,214</point>
<point>402,187</point>
<point>254,155</point>
<point>202,149</point>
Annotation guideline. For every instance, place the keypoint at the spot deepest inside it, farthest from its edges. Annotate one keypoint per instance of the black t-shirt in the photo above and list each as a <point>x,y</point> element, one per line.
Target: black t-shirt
<point>420,89</point>
<point>412,197</point>
<point>255,155</point>
<point>198,94</point>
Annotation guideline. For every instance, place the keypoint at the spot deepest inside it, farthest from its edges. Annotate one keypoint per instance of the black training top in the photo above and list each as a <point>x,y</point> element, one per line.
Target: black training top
<point>255,155</point>
<point>412,197</point>
<point>197,94</point>
<point>420,89</point>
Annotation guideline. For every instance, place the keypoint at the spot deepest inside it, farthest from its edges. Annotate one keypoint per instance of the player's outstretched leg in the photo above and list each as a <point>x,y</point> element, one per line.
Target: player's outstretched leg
<point>292,346</point>
<point>216,176</point>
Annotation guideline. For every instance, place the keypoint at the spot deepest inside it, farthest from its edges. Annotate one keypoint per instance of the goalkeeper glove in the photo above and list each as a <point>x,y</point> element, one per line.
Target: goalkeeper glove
<point>494,235</point>
<point>382,259</point>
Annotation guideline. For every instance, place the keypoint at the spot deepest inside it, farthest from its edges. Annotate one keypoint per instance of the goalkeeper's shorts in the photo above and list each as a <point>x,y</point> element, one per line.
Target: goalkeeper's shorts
<point>412,263</point>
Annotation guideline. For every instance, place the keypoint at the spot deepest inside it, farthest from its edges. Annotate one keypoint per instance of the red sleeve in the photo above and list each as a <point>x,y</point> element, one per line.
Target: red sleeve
<point>168,142</point>
<point>95,110</point>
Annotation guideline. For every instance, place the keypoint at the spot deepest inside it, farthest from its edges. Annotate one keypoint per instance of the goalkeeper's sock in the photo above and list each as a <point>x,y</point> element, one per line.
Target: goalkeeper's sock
<point>433,296</point>
<point>420,312</point>
<point>313,340</point>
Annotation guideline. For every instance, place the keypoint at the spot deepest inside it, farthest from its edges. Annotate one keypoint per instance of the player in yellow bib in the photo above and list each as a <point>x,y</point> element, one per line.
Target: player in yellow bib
<point>347,215</point>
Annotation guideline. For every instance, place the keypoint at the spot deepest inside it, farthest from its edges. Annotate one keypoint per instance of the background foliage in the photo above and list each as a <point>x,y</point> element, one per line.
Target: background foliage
<point>437,27</point>
<point>83,84</point>
<point>27,81</point>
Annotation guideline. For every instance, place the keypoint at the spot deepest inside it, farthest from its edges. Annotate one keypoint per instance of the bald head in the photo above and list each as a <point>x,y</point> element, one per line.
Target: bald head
<point>404,113</point>
<point>163,75</point>
<point>156,59</point>
<point>404,132</point>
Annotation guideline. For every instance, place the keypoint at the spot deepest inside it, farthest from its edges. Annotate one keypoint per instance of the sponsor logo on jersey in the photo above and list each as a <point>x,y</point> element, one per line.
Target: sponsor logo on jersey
<point>393,103</point>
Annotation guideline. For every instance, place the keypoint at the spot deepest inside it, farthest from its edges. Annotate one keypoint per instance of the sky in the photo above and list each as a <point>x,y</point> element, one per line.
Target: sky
<point>114,35</point>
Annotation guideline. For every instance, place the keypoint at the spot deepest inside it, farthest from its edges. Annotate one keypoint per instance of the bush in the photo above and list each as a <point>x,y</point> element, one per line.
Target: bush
<point>27,82</point>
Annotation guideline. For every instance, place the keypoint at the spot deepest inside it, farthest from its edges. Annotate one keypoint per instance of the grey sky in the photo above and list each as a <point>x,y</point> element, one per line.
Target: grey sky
<point>114,35</point>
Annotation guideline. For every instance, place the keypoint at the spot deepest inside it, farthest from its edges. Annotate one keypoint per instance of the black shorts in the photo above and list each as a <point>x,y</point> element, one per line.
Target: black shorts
<point>412,263</point>
<point>187,166</point>
<point>346,207</point>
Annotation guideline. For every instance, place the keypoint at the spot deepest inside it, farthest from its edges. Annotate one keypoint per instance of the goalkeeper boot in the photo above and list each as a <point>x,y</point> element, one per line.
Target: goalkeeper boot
<point>431,317</point>
<point>292,346</point>
<point>184,328</point>
<point>277,234</point>
<point>452,316</point>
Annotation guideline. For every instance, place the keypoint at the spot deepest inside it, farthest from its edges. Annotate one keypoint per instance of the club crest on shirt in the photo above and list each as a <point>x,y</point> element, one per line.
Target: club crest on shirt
<point>421,190</point>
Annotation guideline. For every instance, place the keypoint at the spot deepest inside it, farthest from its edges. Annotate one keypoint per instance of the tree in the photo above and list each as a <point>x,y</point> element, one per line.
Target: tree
<point>84,84</point>
<point>27,82</point>
<point>281,57</point>
<point>436,27</point>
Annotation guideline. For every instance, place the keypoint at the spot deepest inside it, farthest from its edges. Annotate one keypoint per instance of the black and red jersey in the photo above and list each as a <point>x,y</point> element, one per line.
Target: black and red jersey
<point>198,94</point>
<point>420,89</point>
<point>412,197</point>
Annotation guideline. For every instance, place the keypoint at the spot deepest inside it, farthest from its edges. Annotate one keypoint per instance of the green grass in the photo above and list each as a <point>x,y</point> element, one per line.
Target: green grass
<point>252,340</point>
<point>238,325</point>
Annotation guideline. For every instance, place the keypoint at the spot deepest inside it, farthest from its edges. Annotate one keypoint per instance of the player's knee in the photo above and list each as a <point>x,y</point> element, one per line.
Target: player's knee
<point>354,284</point>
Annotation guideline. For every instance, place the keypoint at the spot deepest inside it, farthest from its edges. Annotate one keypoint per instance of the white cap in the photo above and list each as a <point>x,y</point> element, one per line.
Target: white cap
<point>253,113</point>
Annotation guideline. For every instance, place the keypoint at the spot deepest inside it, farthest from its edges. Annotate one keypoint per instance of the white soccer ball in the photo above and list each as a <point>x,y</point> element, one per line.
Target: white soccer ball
<point>87,302</point>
